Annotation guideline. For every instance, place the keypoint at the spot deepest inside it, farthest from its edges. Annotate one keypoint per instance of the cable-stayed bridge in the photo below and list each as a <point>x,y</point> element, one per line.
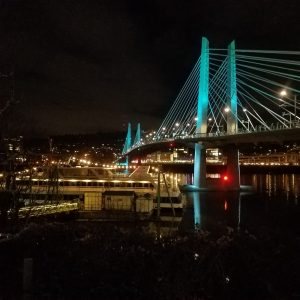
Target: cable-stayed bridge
<point>231,97</point>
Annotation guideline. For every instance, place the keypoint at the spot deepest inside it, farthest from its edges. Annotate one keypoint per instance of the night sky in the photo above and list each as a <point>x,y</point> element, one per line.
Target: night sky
<point>87,66</point>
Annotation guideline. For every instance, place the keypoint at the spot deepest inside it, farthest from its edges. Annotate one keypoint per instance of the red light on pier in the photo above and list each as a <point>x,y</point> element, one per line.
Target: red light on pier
<point>225,205</point>
<point>225,178</point>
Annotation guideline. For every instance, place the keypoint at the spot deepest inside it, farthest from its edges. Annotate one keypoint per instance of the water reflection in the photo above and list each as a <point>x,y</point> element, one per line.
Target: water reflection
<point>273,204</point>
<point>212,210</point>
<point>273,184</point>
<point>197,213</point>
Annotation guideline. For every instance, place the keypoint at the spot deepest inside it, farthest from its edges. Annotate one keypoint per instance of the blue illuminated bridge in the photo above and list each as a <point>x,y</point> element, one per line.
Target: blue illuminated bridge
<point>231,97</point>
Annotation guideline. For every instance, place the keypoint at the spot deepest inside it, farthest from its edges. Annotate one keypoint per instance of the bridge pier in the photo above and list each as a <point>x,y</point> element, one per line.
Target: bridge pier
<point>233,167</point>
<point>200,165</point>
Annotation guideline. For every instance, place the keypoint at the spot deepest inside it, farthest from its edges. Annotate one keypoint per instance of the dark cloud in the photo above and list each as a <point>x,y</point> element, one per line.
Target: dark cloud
<point>86,66</point>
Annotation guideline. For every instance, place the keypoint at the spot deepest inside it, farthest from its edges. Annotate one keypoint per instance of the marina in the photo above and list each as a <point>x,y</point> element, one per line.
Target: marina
<point>101,194</point>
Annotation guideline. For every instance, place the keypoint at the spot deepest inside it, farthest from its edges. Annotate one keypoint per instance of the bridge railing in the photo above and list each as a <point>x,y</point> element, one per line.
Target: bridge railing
<point>255,129</point>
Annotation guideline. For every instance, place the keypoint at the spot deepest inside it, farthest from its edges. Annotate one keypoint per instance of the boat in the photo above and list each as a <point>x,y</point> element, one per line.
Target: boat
<point>100,192</point>
<point>94,188</point>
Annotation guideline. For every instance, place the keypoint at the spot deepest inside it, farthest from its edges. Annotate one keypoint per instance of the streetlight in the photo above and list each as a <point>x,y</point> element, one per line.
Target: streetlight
<point>226,111</point>
<point>246,121</point>
<point>284,93</point>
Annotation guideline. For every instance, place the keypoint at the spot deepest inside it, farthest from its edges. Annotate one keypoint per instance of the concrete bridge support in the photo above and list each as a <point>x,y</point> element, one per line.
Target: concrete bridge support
<point>233,167</point>
<point>200,165</point>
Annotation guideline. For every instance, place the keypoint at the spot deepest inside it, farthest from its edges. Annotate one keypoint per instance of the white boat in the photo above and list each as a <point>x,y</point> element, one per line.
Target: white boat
<point>94,188</point>
<point>98,189</point>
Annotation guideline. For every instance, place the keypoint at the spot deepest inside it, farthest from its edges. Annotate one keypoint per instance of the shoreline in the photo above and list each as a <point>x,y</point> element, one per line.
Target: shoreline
<point>244,169</point>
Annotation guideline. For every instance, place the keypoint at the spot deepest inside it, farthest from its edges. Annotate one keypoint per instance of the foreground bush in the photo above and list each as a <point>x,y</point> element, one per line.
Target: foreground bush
<point>102,261</point>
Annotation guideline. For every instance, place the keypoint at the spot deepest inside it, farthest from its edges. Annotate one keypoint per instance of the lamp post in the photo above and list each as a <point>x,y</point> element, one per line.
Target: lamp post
<point>227,111</point>
<point>246,121</point>
<point>283,93</point>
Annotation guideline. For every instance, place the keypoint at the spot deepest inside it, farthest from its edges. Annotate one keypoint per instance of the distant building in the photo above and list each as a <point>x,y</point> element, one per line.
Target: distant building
<point>13,145</point>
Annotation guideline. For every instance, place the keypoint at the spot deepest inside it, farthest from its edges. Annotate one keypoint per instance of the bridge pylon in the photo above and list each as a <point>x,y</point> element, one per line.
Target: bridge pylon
<point>127,145</point>
<point>201,123</point>
<point>137,138</point>
<point>232,152</point>
<point>232,120</point>
<point>232,123</point>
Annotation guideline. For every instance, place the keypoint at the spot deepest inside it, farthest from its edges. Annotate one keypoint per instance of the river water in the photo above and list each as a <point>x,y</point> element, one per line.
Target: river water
<point>273,204</point>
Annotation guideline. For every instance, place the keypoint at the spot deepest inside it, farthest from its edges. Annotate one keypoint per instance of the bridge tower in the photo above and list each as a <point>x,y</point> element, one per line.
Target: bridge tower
<point>137,139</point>
<point>201,123</point>
<point>232,91</point>
<point>127,145</point>
<point>231,151</point>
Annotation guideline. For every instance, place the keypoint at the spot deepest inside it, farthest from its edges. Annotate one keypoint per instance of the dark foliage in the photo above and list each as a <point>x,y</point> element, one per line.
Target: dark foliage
<point>102,261</point>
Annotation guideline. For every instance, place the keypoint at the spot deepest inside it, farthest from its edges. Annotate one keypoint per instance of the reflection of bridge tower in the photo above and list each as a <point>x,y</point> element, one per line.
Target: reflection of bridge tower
<point>201,125</point>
